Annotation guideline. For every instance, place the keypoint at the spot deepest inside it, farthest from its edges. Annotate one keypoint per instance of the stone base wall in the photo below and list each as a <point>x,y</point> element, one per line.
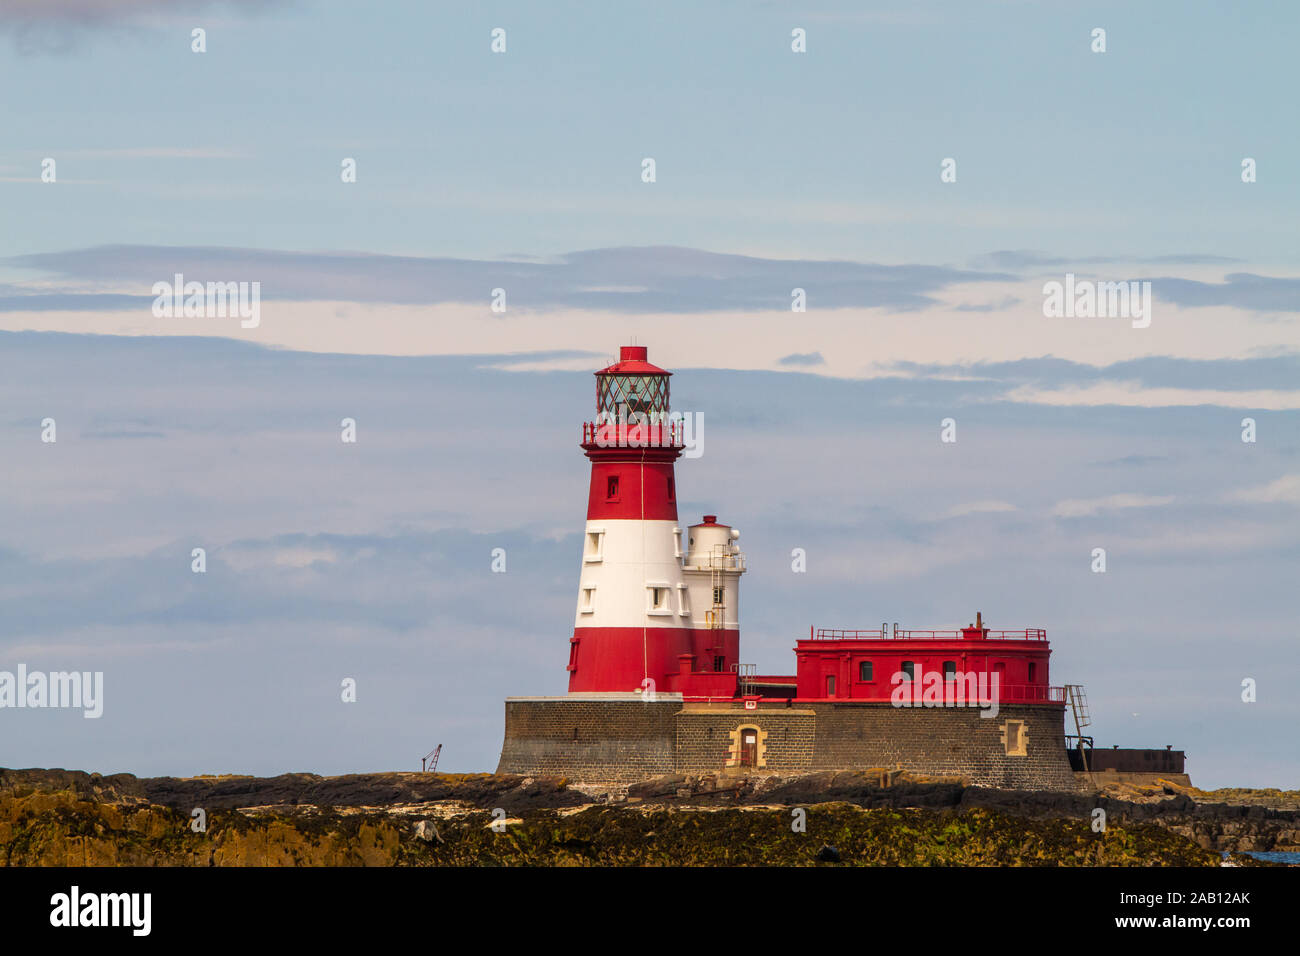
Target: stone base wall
<point>947,742</point>
<point>624,740</point>
<point>708,740</point>
<point>591,740</point>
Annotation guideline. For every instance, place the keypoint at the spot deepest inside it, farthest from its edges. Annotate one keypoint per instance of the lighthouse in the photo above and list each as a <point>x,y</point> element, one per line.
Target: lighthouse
<point>656,685</point>
<point>653,615</point>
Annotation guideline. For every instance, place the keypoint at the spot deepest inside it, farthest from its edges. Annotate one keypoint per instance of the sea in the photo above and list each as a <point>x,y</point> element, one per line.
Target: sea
<point>1290,857</point>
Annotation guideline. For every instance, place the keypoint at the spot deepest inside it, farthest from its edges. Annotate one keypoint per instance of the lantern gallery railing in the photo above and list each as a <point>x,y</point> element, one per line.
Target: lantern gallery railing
<point>899,634</point>
<point>672,434</point>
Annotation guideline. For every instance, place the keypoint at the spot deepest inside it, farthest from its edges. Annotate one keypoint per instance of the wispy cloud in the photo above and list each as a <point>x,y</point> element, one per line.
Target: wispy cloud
<point>668,279</point>
<point>58,26</point>
<point>1084,507</point>
<point>1026,259</point>
<point>1285,490</point>
<point>802,359</point>
<point>979,507</point>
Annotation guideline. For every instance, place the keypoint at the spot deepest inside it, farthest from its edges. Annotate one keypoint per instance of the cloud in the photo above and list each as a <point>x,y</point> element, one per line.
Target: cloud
<point>1175,375</point>
<point>1006,302</point>
<point>101,12</point>
<point>156,152</point>
<point>58,26</point>
<point>979,507</point>
<point>802,359</point>
<point>1024,259</point>
<point>1084,507</point>
<point>1133,393</point>
<point>666,279</point>
<point>1285,490</point>
<point>74,302</point>
<point>1243,290</point>
<point>1136,461</point>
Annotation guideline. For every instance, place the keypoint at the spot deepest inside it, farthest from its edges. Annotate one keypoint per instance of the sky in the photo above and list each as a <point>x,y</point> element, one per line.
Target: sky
<point>522,171</point>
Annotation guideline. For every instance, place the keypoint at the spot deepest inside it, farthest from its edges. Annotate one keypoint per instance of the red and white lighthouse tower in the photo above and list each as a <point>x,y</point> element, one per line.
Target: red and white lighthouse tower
<point>651,615</point>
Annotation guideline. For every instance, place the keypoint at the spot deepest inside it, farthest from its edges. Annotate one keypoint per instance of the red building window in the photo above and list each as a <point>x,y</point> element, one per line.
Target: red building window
<point>864,670</point>
<point>909,670</point>
<point>830,685</point>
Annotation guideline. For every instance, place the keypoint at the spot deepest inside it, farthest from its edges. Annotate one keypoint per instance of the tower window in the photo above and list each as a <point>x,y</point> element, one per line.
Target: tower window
<point>864,670</point>
<point>611,487</point>
<point>949,670</point>
<point>719,596</point>
<point>659,599</point>
<point>672,491</point>
<point>1033,671</point>
<point>908,669</point>
<point>719,663</point>
<point>588,600</point>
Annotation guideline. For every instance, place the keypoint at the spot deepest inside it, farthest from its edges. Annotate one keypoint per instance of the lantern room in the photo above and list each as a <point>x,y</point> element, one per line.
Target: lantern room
<point>632,386</point>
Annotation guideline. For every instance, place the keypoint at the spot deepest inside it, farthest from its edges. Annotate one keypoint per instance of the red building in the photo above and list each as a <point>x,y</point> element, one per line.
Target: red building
<point>874,665</point>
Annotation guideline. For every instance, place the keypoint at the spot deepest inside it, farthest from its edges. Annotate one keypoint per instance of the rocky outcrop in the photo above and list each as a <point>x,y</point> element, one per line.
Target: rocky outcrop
<point>69,817</point>
<point>59,829</point>
<point>509,791</point>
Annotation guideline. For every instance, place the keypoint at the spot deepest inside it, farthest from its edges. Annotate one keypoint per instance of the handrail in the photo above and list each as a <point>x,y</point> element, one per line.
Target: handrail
<point>735,561</point>
<point>671,434</point>
<point>1015,693</point>
<point>878,634</point>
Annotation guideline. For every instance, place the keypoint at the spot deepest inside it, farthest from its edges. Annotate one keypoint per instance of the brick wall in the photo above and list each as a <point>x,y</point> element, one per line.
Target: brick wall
<point>622,741</point>
<point>945,741</point>
<point>705,738</point>
<point>590,741</point>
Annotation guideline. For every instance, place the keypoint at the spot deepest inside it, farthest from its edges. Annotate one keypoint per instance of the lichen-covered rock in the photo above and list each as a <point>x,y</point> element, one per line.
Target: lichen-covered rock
<point>58,829</point>
<point>58,817</point>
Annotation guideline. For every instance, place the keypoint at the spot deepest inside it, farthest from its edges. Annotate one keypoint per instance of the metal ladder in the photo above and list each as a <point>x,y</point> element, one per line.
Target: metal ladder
<point>717,560</point>
<point>745,678</point>
<point>1082,717</point>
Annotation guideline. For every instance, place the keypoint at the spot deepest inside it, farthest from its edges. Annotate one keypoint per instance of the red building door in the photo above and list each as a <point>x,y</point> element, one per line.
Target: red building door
<point>748,748</point>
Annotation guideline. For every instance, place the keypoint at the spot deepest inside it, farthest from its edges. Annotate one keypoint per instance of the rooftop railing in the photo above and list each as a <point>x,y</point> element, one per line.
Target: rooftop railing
<point>708,561</point>
<point>901,634</point>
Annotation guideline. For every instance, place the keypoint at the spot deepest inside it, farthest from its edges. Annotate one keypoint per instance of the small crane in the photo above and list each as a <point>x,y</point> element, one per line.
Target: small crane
<point>430,762</point>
